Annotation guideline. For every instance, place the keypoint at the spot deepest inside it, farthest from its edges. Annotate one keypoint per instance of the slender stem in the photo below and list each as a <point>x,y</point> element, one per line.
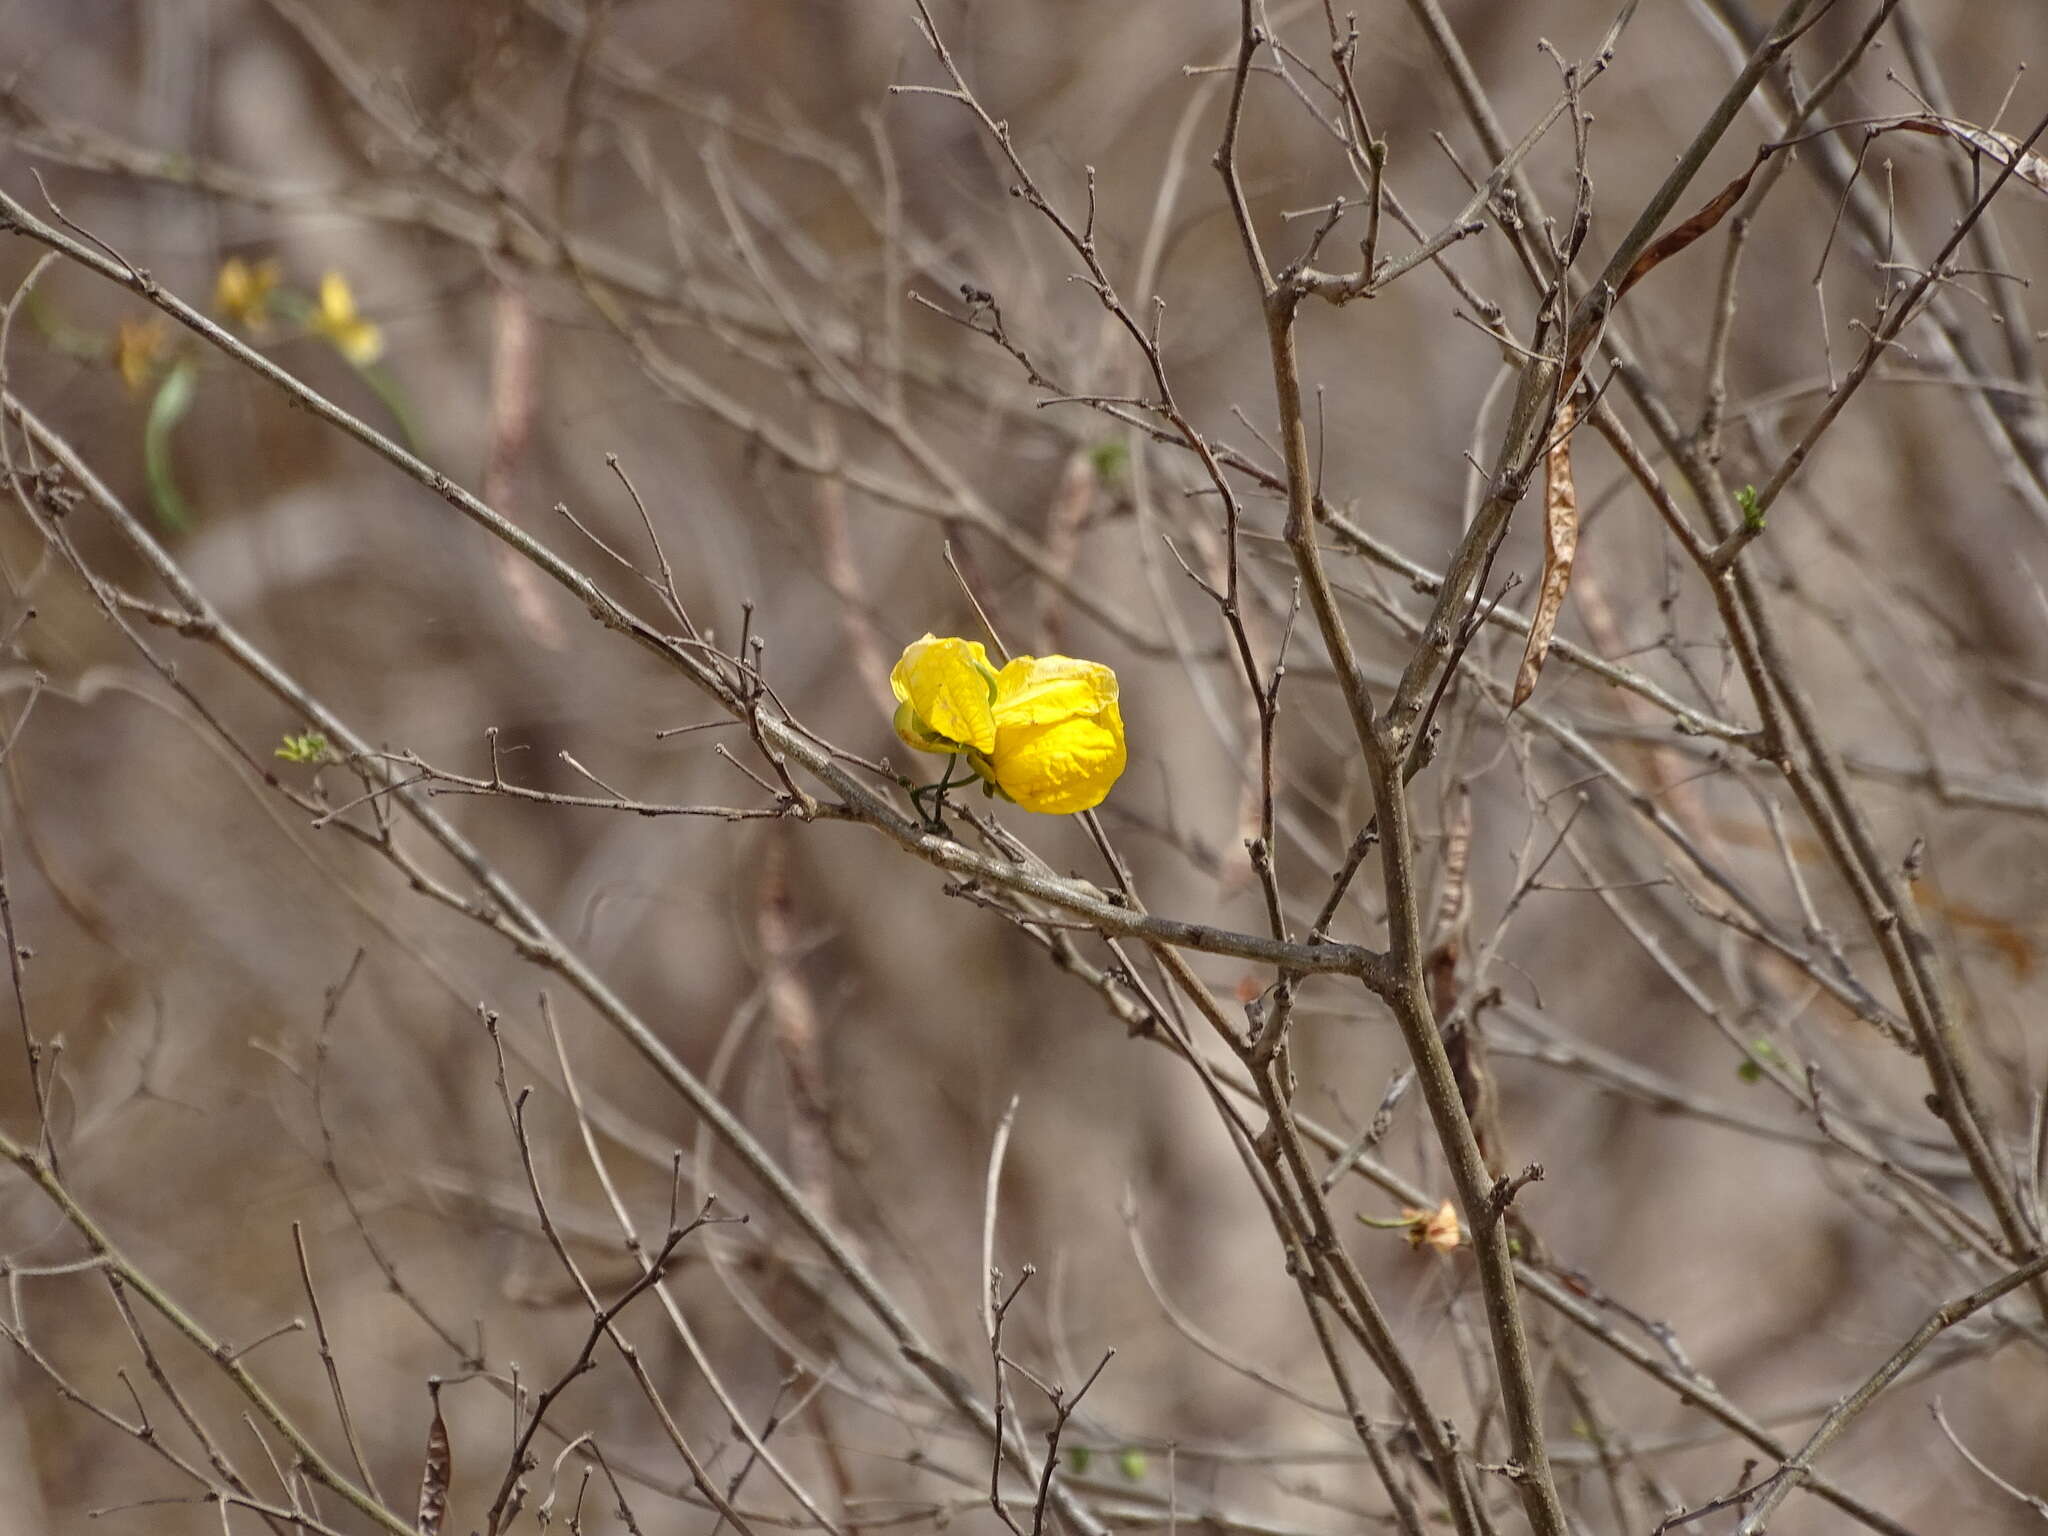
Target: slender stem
<point>1798,1466</point>
<point>317,1466</point>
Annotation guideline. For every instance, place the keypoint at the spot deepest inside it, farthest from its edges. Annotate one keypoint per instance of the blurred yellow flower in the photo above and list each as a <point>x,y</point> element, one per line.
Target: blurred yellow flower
<point>242,292</point>
<point>355,338</point>
<point>1438,1230</point>
<point>1044,731</point>
<point>138,344</point>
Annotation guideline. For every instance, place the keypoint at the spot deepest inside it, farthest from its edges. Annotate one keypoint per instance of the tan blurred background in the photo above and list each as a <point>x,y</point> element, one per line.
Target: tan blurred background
<point>187,923</point>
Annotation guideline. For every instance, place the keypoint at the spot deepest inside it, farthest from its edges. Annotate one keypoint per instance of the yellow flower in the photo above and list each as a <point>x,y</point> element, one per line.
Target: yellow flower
<point>1059,735</point>
<point>242,292</point>
<point>945,690</point>
<point>137,346</point>
<point>355,338</point>
<point>1044,732</point>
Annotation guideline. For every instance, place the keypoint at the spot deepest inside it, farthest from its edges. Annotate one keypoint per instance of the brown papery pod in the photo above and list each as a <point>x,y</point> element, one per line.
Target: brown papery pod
<point>1560,547</point>
<point>436,1474</point>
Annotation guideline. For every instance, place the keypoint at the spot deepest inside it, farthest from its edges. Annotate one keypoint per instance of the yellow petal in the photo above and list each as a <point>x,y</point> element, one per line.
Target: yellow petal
<point>1061,766</point>
<point>1038,690</point>
<point>361,343</point>
<point>947,685</point>
<point>914,734</point>
<point>357,339</point>
<point>337,302</point>
<point>231,288</point>
<point>242,292</point>
<point>138,345</point>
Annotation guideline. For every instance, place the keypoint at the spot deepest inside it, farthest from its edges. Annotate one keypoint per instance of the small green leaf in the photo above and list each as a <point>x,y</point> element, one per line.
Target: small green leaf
<point>173,399</point>
<point>1384,1223</point>
<point>1761,1054</point>
<point>1752,517</point>
<point>307,747</point>
<point>1111,460</point>
<point>1132,1463</point>
<point>1078,1458</point>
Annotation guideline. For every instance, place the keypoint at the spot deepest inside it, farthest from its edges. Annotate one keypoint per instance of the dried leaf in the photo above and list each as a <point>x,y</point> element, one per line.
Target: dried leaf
<point>2009,940</point>
<point>2002,147</point>
<point>436,1475</point>
<point>1669,244</point>
<point>1560,547</point>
